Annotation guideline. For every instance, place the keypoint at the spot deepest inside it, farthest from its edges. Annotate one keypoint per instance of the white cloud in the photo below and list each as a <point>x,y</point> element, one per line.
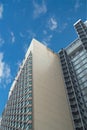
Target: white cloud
<point>39,8</point>
<point>1,11</point>
<point>0,120</point>
<point>12,37</point>
<point>1,65</point>
<point>77,5</point>
<point>19,64</point>
<point>52,23</point>
<point>44,32</point>
<point>1,41</point>
<point>62,27</point>
<point>28,34</point>
<point>5,72</point>
<point>25,48</point>
<point>21,35</point>
<point>31,34</point>
<point>47,40</point>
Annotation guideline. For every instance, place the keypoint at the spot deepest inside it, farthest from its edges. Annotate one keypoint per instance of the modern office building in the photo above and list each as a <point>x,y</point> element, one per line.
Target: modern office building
<point>74,66</point>
<point>37,99</point>
<point>50,90</point>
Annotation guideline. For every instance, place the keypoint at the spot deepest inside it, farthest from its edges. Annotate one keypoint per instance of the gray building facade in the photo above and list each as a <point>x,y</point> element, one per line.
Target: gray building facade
<point>74,66</point>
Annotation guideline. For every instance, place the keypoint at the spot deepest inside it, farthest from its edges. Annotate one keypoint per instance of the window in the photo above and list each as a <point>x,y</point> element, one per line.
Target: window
<point>30,109</point>
<point>30,82</point>
<point>30,88</point>
<point>76,57</point>
<point>30,94</point>
<point>85,97</point>
<point>30,117</point>
<point>30,126</point>
<point>84,91</point>
<point>30,102</point>
<point>30,76</point>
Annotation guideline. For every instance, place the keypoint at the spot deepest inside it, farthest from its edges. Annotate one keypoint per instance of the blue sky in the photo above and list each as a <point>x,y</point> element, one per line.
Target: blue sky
<point>49,21</point>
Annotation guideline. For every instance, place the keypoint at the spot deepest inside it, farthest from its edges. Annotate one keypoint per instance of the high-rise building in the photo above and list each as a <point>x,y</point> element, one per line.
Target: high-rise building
<point>74,66</point>
<point>37,99</point>
<point>50,90</point>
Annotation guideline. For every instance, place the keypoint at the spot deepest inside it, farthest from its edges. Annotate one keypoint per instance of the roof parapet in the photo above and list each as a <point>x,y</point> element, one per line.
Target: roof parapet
<point>77,22</point>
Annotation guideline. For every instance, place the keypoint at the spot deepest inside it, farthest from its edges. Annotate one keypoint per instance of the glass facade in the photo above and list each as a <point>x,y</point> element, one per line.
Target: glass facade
<point>18,112</point>
<point>74,65</point>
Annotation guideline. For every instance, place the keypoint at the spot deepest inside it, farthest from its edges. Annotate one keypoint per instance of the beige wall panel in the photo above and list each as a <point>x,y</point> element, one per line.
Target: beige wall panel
<point>51,109</point>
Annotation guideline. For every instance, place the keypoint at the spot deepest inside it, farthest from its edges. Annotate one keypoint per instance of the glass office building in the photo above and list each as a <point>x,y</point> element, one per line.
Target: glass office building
<point>74,66</point>
<point>50,90</point>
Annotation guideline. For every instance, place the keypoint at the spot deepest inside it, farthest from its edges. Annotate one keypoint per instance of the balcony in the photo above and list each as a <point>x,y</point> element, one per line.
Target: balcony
<point>78,125</point>
<point>74,109</point>
<point>73,102</point>
<point>70,91</point>
<point>71,96</point>
<point>76,117</point>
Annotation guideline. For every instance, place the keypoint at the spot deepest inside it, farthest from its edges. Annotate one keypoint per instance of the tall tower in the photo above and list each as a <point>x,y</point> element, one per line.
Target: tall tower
<point>74,66</point>
<point>37,99</point>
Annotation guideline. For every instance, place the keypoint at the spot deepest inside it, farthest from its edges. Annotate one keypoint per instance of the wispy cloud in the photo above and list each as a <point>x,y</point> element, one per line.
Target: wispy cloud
<point>1,65</point>
<point>31,34</point>
<point>44,32</point>
<point>21,35</point>
<point>25,48</point>
<point>1,11</point>
<point>1,41</point>
<point>19,64</point>
<point>62,27</point>
<point>47,39</point>
<point>5,72</point>
<point>52,23</point>
<point>0,120</point>
<point>77,5</point>
<point>28,34</point>
<point>12,37</point>
<point>39,9</point>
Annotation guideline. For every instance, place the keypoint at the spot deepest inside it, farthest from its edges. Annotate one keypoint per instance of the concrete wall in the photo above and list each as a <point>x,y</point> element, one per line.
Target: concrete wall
<point>50,106</point>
